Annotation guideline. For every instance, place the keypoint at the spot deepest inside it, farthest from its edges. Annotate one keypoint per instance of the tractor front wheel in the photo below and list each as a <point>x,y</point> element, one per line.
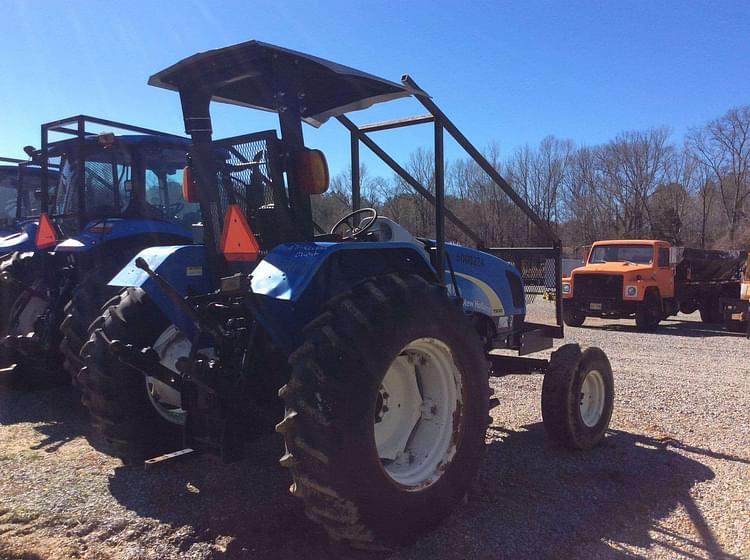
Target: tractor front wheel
<point>386,411</point>
<point>577,396</point>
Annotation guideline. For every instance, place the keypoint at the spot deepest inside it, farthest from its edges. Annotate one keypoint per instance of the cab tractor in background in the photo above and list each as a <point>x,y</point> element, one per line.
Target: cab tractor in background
<point>365,346</point>
<point>19,218</point>
<point>20,199</point>
<point>113,196</point>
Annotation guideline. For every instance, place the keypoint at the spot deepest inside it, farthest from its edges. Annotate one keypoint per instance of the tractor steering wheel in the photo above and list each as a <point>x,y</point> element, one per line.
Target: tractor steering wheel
<point>355,231</point>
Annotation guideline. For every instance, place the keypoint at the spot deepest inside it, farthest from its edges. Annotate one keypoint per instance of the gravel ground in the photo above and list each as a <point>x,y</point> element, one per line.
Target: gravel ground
<point>672,479</point>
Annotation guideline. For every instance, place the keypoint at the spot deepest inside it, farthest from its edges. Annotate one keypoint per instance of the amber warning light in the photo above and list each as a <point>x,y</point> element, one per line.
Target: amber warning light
<point>189,188</point>
<point>45,233</point>
<point>237,240</point>
<point>311,170</point>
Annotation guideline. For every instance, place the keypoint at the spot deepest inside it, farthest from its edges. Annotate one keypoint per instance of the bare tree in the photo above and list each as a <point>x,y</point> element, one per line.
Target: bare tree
<point>723,146</point>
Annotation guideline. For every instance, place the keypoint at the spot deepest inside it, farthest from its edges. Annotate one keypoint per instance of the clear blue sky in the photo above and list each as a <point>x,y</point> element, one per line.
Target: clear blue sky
<point>508,72</point>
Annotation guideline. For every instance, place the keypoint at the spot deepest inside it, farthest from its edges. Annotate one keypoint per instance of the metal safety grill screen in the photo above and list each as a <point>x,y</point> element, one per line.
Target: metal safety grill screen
<point>249,176</point>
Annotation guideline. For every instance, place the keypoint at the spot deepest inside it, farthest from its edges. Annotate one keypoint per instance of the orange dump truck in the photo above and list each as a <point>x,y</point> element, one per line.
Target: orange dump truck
<point>650,280</point>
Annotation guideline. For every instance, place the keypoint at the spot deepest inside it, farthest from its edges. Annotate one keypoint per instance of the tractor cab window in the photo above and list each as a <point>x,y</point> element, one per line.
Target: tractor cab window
<point>8,192</point>
<point>163,182</point>
<point>635,254</point>
<point>107,183</point>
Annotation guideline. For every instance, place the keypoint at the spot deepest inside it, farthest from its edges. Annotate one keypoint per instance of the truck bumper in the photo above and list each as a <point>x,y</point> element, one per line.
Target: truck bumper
<point>601,307</point>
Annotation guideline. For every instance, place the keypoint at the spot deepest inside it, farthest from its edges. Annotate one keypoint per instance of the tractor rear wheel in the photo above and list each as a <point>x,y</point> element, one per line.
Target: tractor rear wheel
<point>577,396</point>
<point>84,306</point>
<point>30,341</point>
<point>131,417</point>
<point>386,411</point>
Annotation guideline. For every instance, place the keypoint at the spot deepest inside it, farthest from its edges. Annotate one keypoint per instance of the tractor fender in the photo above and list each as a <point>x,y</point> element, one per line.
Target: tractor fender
<point>106,230</point>
<point>294,280</point>
<point>21,241</point>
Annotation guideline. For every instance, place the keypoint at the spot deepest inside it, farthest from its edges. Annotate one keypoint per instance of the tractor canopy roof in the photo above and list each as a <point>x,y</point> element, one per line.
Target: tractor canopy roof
<point>125,140</point>
<point>251,74</point>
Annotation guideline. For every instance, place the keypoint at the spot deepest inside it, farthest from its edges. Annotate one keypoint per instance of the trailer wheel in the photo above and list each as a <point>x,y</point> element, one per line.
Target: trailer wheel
<point>386,411</point>
<point>126,422</point>
<point>577,396</point>
<point>85,305</point>
<point>573,317</point>
<point>648,313</point>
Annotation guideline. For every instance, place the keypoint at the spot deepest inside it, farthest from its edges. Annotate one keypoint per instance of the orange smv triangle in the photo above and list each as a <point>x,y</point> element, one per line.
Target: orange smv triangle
<point>237,240</point>
<point>45,232</point>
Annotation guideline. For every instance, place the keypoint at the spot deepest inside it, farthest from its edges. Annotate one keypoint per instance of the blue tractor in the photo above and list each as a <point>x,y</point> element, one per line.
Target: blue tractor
<point>20,183</point>
<point>366,346</point>
<point>20,199</point>
<point>113,196</point>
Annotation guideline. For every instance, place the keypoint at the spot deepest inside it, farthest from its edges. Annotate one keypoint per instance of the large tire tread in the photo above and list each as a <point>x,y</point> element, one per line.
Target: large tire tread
<point>311,428</point>
<point>124,421</point>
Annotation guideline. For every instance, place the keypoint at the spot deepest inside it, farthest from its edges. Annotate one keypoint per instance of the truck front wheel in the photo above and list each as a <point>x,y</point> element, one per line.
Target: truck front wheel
<point>386,411</point>
<point>648,314</point>
<point>573,317</point>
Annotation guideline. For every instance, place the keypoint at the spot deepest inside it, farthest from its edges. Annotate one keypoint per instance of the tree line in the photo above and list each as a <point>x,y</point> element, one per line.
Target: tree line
<point>640,184</point>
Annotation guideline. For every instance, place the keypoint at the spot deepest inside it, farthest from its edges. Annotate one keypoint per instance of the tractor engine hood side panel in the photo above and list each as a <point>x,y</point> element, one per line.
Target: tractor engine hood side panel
<point>21,241</point>
<point>484,282</point>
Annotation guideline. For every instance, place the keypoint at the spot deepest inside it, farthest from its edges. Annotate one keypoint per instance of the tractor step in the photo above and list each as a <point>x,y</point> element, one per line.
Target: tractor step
<point>168,457</point>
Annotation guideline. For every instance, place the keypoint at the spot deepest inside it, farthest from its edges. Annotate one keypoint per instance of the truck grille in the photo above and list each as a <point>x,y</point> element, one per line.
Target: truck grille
<point>597,285</point>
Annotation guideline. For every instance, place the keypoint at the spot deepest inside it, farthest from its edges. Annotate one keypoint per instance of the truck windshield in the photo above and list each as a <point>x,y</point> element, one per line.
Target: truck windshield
<point>639,254</point>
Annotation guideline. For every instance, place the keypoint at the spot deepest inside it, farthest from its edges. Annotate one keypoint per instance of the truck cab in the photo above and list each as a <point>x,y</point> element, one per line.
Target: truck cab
<point>618,279</point>
<point>650,280</point>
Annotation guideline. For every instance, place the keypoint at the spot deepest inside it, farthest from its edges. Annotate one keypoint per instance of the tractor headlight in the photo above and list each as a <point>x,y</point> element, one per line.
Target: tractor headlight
<point>566,287</point>
<point>631,291</point>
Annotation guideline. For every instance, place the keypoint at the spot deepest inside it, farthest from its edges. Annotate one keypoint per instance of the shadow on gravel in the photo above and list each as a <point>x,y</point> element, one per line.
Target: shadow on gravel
<point>672,327</point>
<point>532,500</point>
<point>58,411</point>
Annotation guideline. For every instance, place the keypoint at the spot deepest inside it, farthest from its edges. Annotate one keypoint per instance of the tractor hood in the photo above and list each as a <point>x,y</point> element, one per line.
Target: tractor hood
<point>251,74</point>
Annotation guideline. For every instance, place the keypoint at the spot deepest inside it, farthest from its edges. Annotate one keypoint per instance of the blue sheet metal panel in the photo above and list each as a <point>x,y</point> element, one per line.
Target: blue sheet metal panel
<point>183,266</point>
<point>482,281</point>
<point>120,228</point>
<point>288,269</point>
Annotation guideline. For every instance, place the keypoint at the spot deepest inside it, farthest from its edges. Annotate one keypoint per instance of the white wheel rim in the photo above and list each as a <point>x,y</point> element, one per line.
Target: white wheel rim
<point>418,414</point>
<point>166,400</point>
<point>592,398</point>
